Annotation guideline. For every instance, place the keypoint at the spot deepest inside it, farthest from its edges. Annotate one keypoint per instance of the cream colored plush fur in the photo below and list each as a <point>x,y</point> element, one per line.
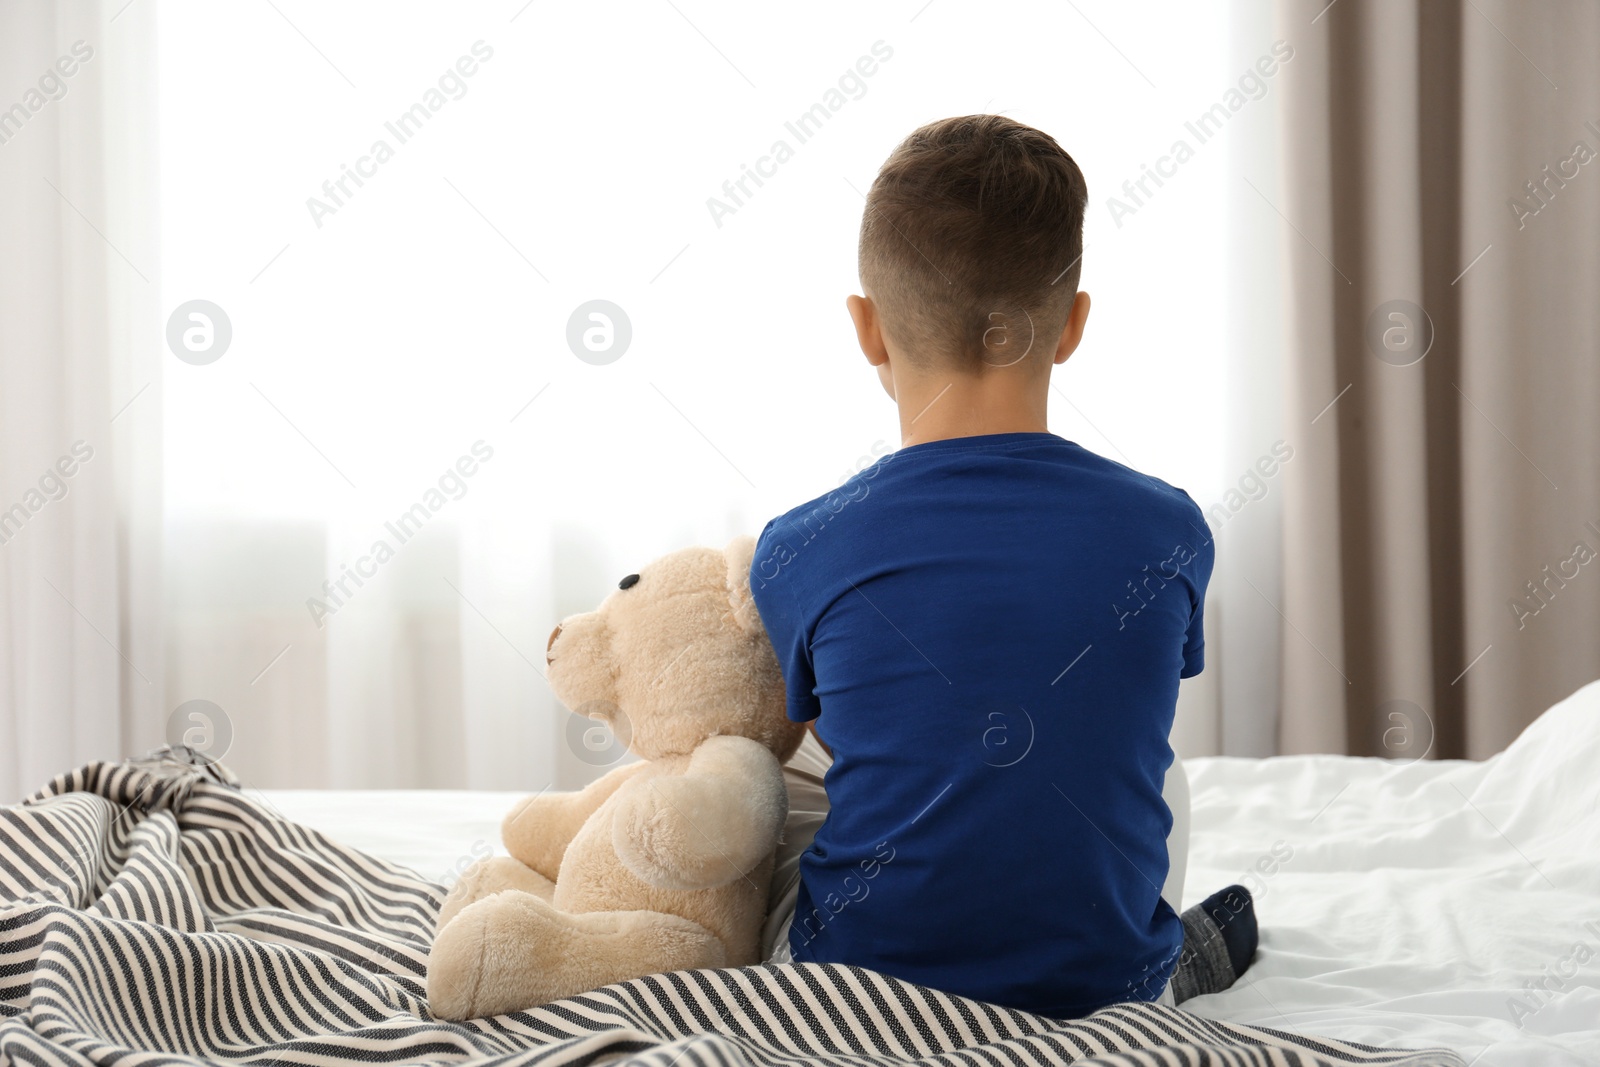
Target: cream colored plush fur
<point>662,864</point>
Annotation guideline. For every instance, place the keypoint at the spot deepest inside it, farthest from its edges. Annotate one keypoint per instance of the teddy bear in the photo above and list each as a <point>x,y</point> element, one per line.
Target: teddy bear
<point>662,864</point>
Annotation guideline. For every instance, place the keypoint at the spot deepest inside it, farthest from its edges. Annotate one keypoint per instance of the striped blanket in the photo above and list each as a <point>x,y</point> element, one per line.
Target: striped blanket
<point>151,912</point>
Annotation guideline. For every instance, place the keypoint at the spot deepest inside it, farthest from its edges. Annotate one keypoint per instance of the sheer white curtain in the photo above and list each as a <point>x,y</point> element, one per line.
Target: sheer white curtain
<point>401,218</point>
<point>1244,627</point>
<point>80,407</point>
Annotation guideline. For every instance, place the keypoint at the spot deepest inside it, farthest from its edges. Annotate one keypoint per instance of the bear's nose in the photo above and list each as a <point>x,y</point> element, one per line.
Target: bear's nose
<point>548,658</point>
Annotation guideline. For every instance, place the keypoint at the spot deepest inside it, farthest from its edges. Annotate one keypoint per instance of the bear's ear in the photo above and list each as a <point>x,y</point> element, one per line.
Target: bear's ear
<point>741,553</point>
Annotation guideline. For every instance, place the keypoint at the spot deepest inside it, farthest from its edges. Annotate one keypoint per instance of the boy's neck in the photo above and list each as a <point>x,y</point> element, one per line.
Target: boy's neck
<point>938,407</point>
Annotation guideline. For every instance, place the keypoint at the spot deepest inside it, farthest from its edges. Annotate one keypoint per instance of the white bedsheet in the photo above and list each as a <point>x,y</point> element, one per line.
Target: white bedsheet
<point>1423,897</point>
<point>1399,904</point>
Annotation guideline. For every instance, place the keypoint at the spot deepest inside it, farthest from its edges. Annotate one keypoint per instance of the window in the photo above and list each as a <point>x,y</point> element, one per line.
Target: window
<point>400,210</point>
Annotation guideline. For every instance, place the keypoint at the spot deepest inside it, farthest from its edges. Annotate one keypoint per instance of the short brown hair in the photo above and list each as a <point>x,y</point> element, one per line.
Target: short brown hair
<point>972,221</point>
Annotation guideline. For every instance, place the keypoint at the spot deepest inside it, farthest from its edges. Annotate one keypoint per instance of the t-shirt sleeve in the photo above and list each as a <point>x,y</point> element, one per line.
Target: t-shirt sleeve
<point>778,603</point>
<point>1194,645</point>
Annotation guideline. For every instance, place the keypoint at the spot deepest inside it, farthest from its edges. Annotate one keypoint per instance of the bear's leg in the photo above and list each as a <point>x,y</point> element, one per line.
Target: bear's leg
<point>490,876</point>
<point>514,951</point>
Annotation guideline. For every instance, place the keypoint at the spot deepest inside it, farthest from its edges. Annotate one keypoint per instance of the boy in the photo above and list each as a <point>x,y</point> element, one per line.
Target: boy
<point>986,628</point>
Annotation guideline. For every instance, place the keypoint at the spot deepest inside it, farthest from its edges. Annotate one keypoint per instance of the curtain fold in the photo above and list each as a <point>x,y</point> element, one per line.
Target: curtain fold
<point>80,499</point>
<point>1445,373</point>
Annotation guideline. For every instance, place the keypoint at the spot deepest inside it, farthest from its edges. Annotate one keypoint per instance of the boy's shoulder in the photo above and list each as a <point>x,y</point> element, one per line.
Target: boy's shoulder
<point>1120,486</point>
<point>1117,482</point>
<point>855,488</point>
<point>1149,487</point>
<point>800,525</point>
<point>781,541</point>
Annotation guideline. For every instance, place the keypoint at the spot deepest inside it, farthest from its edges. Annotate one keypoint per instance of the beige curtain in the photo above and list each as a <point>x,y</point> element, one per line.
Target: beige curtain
<point>1442,516</point>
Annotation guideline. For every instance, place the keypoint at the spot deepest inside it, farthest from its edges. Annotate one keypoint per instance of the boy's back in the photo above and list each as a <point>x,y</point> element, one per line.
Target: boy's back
<point>989,625</point>
<point>993,628</point>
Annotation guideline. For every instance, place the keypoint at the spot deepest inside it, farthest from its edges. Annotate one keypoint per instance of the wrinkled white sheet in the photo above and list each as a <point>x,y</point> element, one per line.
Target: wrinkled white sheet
<point>1418,900</point>
<point>1400,904</point>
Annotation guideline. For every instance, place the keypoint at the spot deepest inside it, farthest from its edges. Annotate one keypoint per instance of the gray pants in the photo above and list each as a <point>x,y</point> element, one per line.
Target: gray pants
<point>808,806</point>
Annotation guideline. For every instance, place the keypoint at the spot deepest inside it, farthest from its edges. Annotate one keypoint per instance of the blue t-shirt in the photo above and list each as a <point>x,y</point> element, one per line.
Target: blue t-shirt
<point>990,631</point>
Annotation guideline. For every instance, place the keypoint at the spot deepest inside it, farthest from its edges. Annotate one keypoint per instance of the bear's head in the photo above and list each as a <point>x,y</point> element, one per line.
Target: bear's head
<point>676,654</point>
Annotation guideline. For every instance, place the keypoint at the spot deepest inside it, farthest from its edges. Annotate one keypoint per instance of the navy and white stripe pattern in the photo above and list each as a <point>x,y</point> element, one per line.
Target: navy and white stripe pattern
<point>151,913</point>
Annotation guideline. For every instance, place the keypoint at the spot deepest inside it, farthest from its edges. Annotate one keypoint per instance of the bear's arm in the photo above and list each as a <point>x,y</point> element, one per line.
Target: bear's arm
<point>712,824</point>
<point>538,830</point>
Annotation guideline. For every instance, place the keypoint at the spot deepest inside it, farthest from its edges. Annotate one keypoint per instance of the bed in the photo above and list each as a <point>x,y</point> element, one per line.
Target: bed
<point>1401,904</point>
<point>1422,914</point>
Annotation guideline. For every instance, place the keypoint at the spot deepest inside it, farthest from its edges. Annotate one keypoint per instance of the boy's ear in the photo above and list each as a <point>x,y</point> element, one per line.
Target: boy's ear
<point>1073,333</point>
<point>869,331</point>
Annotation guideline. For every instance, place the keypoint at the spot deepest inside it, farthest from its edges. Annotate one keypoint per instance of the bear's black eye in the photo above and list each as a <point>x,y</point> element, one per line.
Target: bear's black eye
<point>629,582</point>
